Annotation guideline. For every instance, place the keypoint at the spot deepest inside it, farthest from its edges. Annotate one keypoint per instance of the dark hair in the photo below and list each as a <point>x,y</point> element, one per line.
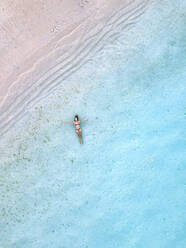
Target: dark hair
<point>76,116</point>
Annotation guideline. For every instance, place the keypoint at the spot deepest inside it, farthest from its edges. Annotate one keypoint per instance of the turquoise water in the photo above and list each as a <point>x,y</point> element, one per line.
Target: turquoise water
<point>126,186</point>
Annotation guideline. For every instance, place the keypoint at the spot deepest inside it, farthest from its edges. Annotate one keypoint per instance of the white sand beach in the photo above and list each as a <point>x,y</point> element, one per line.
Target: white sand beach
<point>43,42</point>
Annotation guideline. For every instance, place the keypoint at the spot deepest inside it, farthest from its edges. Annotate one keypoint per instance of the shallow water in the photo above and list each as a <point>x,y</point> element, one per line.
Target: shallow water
<point>125,187</point>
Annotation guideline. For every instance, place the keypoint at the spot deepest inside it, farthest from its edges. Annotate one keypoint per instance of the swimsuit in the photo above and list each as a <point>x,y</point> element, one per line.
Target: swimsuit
<point>77,125</point>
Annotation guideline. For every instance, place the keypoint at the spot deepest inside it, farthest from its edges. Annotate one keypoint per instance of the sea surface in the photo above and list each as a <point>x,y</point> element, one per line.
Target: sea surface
<point>125,187</point>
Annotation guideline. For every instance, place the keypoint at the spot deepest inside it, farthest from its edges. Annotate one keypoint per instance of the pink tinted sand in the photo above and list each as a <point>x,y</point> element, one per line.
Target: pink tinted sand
<point>42,40</point>
<point>31,28</point>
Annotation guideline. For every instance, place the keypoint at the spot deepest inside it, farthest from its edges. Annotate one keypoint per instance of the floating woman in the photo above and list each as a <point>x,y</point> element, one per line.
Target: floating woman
<point>77,122</point>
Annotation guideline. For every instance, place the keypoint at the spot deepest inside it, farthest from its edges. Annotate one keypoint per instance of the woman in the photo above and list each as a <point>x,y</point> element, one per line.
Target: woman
<point>77,122</point>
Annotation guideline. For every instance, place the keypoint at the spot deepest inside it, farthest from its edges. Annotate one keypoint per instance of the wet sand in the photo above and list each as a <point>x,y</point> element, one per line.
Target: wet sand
<point>43,43</point>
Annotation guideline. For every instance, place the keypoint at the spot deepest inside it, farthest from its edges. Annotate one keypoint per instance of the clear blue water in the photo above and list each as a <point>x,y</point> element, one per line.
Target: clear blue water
<point>126,186</point>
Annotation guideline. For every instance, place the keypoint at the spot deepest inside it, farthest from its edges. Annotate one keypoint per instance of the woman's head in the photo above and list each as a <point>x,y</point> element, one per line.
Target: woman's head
<point>76,118</point>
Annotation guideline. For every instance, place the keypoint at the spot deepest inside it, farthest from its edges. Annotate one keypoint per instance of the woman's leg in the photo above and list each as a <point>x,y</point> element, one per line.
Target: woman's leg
<point>77,132</point>
<point>80,137</point>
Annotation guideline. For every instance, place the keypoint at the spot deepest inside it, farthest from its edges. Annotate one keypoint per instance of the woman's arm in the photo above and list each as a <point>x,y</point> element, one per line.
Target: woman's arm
<point>84,120</point>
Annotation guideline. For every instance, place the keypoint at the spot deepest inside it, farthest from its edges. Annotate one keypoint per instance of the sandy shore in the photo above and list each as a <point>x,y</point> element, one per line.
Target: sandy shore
<point>44,42</point>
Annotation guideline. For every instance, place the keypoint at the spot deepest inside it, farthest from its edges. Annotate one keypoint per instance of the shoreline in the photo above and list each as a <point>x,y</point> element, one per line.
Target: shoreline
<point>64,52</point>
